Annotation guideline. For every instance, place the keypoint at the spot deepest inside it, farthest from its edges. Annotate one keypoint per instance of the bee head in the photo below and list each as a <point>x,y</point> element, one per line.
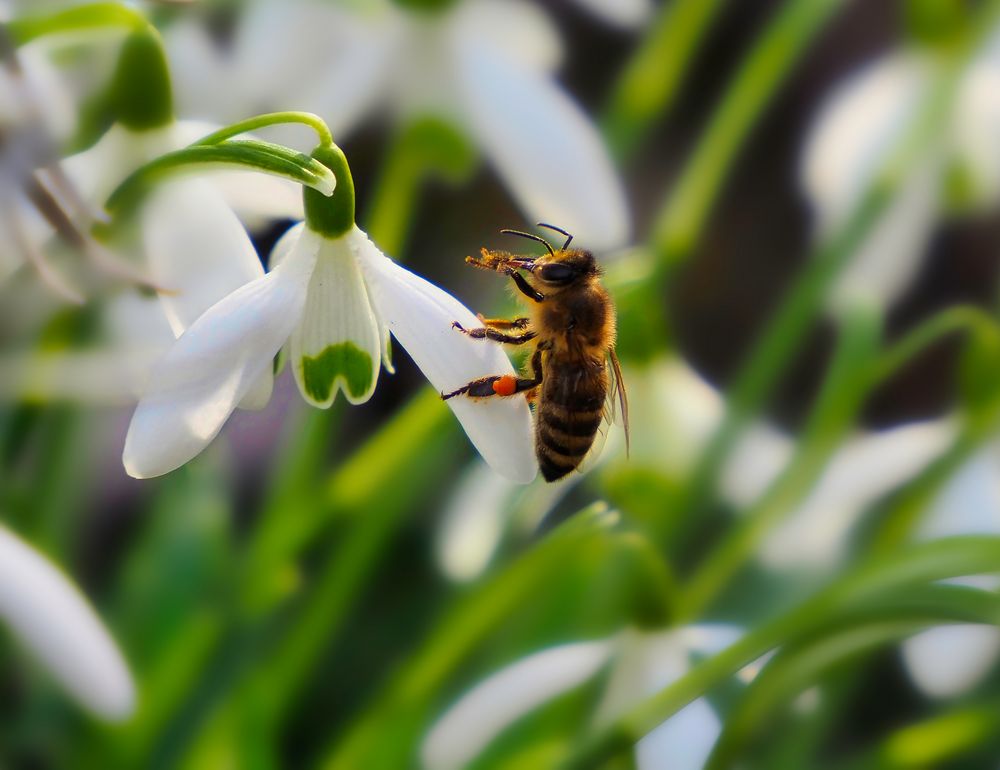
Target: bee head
<point>564,268</point>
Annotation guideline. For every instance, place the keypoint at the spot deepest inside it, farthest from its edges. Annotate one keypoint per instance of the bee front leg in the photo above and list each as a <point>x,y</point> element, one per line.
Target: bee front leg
<point>495,334</point>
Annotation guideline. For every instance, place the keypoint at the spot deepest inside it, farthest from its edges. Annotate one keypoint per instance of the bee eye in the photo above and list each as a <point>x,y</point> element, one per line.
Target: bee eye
<point>557,273</point>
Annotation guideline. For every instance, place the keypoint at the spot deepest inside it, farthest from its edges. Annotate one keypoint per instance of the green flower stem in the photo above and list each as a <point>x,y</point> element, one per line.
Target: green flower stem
<point>651,81</point>
<point>768,65</point>
<point>250,154</point>
<point>887,579</point>
<point>425,149</point>
<point>967,318</point>
<point>315,122</point>
<point>847,383</point>
<point>78,19</point>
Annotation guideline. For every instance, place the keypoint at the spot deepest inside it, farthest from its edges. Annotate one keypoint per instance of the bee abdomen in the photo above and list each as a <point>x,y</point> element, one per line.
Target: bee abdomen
<point>563,438</point>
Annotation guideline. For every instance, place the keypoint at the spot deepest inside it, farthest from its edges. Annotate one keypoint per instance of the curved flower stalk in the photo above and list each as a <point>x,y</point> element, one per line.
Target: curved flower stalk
<point>639,663</point>
<point>333,299</point>
<point>947,661</point>
<point>55,623</point>
<point>482,65</point>
<point>858,126</point>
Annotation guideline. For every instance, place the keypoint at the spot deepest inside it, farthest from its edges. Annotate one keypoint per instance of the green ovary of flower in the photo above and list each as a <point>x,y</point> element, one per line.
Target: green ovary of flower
<point>344,361</point>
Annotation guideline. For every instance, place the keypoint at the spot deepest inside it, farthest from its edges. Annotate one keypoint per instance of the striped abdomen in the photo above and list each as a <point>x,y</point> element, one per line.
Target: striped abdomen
<point>569,412</point>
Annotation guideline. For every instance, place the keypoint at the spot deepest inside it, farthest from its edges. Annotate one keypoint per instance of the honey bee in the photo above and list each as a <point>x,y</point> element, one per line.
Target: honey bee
<point>574,372</point>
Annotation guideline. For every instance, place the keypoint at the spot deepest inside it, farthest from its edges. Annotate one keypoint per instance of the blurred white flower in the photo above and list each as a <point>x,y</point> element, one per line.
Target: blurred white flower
<point>858,128</point>
<point>485,66</point>
<point>641,663</point>
<point>947,661</point>
<point>50,617</point>
<point>867,467</point>
<point>334,300</point>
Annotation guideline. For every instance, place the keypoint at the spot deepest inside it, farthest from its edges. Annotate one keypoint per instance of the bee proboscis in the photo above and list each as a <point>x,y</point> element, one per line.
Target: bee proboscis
<point>574,372</point>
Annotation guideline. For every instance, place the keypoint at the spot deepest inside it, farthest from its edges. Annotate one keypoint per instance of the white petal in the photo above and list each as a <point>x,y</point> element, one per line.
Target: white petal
<point>496,703</point>
<point>760,455</point>
<point>852,135</point>
<point>969,504</point>
<point>976,126</point>
<point>472,523</point>
<point>337,345</point>
<point>865,469</point>
<point>55,622</point>
<point>197,249</point>
<point>520,29</point>
<point>683,742</point>
<point>420,316</point>
<point>206,85</point>
<point>644,663</point>
<point>215,364</point>
<point>544,147</point>
<point>622,13</point>
<point>949,660</point>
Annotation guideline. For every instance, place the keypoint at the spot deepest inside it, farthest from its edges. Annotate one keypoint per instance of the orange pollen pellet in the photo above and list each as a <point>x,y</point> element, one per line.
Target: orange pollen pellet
<point>505,386</point>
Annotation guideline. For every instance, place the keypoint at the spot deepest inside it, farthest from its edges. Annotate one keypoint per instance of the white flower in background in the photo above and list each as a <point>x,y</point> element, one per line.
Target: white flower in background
<point>333,298</point>
<point>863,470</point>
<point>54,622</point>
<point>641,663</point>
<point>947,661</point>
<point>858,128</point>
<point>485,66</point>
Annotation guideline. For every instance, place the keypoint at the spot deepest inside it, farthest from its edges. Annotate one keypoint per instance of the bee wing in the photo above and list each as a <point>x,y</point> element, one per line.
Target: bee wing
<point>615,413</point>
<point>616,393</point>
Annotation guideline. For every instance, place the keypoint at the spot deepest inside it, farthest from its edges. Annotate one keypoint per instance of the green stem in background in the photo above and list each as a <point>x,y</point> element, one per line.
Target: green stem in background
<point>78,19</point>
<point>314,122</point>
<point>425,149</point>
<point>651,81</point>
<point>879,582</point>
<point>758,78</point>
<point>848,381</point>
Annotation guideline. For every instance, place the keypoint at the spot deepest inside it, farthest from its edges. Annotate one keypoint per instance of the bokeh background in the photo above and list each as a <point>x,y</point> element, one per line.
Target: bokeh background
<point>320,588</point>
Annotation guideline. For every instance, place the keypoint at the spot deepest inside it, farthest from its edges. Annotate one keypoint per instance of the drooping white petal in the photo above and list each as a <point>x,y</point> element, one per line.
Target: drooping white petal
<point>522,30</point>
<point>969,503</point>
<point>53,620</point>
<point>757,459</point>
<point>499,701</point>
<point>865,469</point>
<point>336,346</point>
<point>543,145</point>
<point>472,523</point>
<point>420,316</point>
<point>622,13</point>
<point>852,135</point>
<point>199,252</point>
<point>683,742</point>
<point>644,663</point>
<point>947,661</point>
<point>199,382</point>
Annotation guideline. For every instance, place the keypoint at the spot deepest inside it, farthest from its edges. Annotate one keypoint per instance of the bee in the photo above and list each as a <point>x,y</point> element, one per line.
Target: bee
<point>574,372</point>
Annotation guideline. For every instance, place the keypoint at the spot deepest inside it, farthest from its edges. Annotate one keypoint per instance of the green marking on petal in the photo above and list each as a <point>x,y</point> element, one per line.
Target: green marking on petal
<point>345,361</point>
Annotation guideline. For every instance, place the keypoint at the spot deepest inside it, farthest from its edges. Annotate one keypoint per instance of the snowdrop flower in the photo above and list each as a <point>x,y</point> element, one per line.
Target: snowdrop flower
<point>947,661</point>
<point>867,467</point>
<point>856,130</point>
<point>50,617</point>
<point>641,663</point>
<point>484,66</point>
<point>333,298</point>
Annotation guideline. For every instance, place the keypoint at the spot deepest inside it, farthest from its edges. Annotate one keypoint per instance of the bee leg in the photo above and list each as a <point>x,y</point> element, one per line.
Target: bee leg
<point>495,335</point>
<point>524,287</point>
<point>503,323</point>
<point>501,385</point>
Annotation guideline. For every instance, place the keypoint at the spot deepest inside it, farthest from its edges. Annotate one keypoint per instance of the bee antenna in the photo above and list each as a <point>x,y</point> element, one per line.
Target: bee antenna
<point>569,238</point>
<point>530,237</point>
